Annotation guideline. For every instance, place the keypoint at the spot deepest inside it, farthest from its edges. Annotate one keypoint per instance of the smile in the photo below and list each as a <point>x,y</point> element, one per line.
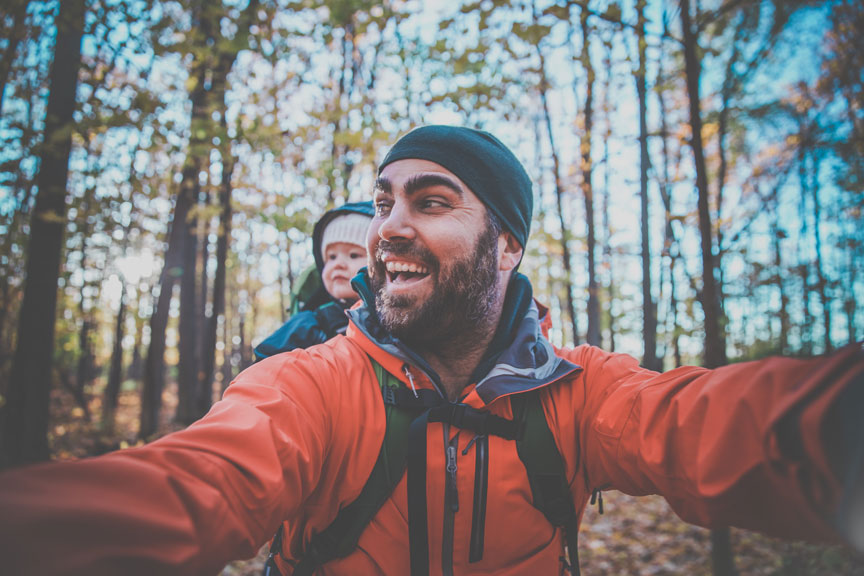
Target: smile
<point>404,270</point>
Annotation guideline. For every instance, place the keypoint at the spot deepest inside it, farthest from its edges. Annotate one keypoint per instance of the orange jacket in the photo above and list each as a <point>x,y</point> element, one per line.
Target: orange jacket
<point>296,435</point>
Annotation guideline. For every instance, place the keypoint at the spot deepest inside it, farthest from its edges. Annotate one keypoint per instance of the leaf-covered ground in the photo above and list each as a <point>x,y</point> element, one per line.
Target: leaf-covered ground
<point>644,536</point>
<point>634,535</point>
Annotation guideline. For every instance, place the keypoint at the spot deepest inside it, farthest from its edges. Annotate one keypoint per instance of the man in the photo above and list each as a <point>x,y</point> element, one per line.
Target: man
<point>765,445</point>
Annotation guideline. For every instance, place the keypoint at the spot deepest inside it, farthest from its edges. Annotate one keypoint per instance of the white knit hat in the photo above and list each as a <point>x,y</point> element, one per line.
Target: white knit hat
<point>348,228</point>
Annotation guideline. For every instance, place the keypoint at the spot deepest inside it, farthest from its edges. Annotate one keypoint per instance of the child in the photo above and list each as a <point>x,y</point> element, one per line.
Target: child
<point>339,245</point>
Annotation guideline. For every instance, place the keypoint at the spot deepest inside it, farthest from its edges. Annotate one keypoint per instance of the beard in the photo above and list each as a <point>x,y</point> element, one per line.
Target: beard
<point>462,302</point>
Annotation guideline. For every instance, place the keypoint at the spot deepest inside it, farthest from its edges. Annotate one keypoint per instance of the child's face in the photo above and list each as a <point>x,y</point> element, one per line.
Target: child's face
<point>341,263</point>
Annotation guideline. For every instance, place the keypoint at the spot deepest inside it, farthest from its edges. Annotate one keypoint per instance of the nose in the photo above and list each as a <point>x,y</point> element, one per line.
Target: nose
<point>341,261</point>
<point>397,224</point>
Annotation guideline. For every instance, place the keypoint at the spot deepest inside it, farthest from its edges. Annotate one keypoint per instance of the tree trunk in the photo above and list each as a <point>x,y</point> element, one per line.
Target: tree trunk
<point>559,194</point>
<point>115,372</point>
<point>241,345</point>
<point>337,121</point>
<point>16,11</point>
<point>194,394</point>
<point>251,321</point>
<point>197,156</point>
<point>85,350</point>
<point>206,23</point>
<point>673,306</point>
<point>205,225</point>
<point>133,371</point>
<point>84,368</point>
<point>12,268</point>
<point>729,84</point>
<point>228,344</point>
<point>649,309</point>
<point>224,235</point>
<point>545,287</point>
<point>285,278</point>
<point>820,271</point>
<point>183,244</point>
<point>783,313</point>
<point>154,366</point>
<point>715,352</point>
<point>5,354</point>
<point>606,250</point>
<point>722,560</point>
<point>187,367</point>
<point>806,332</point>
<point>585,145</point>
<point>607,246</point>
<point>850,306</point>
<point>668,233</point>
<point>25,424</point>
<point>201,399</point>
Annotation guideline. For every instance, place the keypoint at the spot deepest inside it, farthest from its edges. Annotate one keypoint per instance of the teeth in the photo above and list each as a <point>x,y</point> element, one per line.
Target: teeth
<point>406,267</point>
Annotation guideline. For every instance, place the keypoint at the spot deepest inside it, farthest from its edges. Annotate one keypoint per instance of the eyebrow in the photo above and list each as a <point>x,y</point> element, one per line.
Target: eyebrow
<point>382,185</point>
<point>419,182</point>
<point>430,180</point>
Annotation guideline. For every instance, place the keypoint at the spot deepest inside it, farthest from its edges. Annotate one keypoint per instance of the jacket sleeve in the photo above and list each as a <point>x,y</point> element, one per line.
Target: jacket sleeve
<point>189,502</point>
<point>762,445</point>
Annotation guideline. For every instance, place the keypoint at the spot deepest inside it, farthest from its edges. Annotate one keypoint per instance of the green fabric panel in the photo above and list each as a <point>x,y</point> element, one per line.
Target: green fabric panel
<point>305,287</point>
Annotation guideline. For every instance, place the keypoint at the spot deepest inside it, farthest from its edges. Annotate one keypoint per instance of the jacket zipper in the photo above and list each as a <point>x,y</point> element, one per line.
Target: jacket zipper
<point>597,498</point>
<point>478,517</point>
<point>451,501</point>
<point>407,370</point>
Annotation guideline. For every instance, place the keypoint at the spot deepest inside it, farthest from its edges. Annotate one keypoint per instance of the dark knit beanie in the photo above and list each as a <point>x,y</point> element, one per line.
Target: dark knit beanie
<point>482,162</point>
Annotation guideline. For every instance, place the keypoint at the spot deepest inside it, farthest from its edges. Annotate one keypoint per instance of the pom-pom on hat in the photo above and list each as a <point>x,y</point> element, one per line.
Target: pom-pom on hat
<point>482,162</point>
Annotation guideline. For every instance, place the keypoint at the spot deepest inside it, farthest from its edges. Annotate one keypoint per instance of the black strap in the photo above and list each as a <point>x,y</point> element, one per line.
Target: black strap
<point>410,399</point>
<point>418,536</point>
<point>270,567</point>
<point>546,475</point>
<point>571,533</point>
<point>341,537</point>
<point>465,417</point>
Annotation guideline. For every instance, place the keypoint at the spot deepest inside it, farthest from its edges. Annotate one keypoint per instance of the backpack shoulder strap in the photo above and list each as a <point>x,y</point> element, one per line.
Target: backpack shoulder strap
<point>341,537</point>
<point>545,467</point>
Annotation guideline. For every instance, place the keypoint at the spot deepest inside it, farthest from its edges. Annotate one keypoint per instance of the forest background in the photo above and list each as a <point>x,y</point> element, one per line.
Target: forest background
<point>698,169</point>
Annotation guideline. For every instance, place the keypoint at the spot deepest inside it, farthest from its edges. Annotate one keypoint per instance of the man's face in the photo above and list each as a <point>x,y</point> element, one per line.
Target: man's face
<point>433,260</point>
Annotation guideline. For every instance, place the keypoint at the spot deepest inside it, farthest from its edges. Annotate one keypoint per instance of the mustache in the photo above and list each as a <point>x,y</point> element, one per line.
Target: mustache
<point>405,249</point>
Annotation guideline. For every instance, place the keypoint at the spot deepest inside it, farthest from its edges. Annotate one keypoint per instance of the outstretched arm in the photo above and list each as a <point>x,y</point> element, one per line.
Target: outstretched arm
<point>192,501</point>
<point>766,445</point>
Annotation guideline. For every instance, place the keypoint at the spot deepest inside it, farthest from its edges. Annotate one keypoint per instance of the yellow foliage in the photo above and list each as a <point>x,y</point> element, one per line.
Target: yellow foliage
<point>709,130</point>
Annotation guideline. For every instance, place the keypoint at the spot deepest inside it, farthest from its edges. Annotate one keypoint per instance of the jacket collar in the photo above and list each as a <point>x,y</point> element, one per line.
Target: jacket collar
<point>520,358</point>
<point>528,363</point>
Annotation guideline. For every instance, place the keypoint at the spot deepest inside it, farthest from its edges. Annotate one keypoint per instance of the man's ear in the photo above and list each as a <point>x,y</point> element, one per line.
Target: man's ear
<point>509,252</point>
